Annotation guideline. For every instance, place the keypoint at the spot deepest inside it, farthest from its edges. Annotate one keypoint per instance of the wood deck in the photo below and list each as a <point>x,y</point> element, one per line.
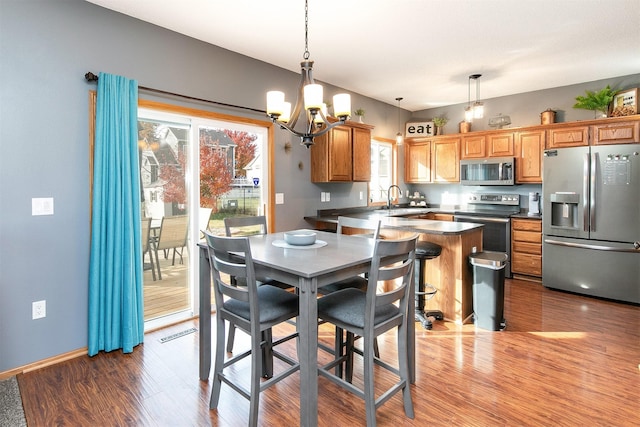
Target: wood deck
<point>169,295</point>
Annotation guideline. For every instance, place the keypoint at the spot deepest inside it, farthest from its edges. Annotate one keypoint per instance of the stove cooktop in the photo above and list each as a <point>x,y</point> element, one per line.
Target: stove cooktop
<point>490,205</point>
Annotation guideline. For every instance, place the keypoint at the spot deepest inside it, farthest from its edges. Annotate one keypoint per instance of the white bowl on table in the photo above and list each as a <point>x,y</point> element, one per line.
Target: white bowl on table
<point>300,237</point>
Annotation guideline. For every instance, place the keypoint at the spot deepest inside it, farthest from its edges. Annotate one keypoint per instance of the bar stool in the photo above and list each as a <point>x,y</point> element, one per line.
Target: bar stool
<point>424,252</point>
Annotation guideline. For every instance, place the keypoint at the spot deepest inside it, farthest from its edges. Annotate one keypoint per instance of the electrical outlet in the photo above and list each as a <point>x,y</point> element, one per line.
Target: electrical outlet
<point>361,195</point>
<point>38,309</point>
<point>328,196</point>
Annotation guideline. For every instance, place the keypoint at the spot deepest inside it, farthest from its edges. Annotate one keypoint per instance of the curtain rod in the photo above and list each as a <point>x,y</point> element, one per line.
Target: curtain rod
<point>91,77</point>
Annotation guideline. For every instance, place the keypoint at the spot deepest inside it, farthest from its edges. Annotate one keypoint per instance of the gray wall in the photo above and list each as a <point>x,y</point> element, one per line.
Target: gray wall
<point>46,47</point>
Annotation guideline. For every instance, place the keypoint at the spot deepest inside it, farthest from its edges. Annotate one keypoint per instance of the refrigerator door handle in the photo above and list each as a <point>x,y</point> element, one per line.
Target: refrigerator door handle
<point>592,193</point>
<point>585,193</point>
<point>592,247</point>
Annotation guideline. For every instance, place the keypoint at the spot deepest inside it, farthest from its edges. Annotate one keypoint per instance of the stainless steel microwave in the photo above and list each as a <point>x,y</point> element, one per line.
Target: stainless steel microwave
<point>490,171</point>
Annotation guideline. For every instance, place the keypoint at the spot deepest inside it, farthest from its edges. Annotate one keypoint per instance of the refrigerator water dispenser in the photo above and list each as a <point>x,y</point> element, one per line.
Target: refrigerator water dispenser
<point>564,210</point>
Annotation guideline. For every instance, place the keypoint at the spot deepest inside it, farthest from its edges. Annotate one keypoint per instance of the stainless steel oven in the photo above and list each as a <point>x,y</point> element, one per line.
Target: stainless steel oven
<point>494,212</point>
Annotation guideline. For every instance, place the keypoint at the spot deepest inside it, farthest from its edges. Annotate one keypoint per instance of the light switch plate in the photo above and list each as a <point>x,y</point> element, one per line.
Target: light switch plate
<point>279,198</point>
<point>42,206</point>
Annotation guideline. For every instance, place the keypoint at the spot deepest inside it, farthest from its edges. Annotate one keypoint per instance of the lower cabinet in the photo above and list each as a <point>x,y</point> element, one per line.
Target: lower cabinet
<point>526,247</point>
<point>437,216</point>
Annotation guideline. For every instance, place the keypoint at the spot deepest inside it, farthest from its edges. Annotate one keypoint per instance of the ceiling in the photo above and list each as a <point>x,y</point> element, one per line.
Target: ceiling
<point>421,50</point>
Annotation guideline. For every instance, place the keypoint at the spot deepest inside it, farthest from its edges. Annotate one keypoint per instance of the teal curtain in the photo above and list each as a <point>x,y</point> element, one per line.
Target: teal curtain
<point>116,318</point>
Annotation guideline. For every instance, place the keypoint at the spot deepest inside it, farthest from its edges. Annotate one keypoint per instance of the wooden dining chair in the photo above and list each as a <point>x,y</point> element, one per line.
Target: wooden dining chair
<point>370,314</point>
<point>252,308</point>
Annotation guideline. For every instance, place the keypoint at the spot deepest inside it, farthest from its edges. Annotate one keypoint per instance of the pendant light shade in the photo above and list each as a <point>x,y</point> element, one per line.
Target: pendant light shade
<point>399,138</point>
<point>475,110</point>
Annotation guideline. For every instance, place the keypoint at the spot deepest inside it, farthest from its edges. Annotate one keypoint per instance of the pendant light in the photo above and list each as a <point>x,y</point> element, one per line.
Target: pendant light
<point>309,101</point>
<point>399,134</point>
<point>475,110</point>
<point>478,107</point>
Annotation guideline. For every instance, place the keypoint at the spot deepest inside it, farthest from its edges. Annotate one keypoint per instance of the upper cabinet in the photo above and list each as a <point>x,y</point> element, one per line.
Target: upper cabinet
<point>616,133</point>
<point>487,144</point>
<point>438,159</point>
<point>573,136</point>
<point>473,146</point>
<point>613,130</point>
<point>433,160</point>
<point>361,139</point>
<point>417,162</point>
<point>343,154</point>
<point>445,159</point>
<point>500,144</point>
<point>529,146</point>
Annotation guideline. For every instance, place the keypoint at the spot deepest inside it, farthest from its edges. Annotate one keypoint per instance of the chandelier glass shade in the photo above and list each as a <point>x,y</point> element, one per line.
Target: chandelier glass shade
<point>309,103</point>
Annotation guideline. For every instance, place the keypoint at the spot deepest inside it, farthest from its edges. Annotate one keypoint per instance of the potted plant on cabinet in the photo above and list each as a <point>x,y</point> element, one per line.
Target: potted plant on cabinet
<point>439,123</point>
<point>596,101</point>
<point>360,113</point>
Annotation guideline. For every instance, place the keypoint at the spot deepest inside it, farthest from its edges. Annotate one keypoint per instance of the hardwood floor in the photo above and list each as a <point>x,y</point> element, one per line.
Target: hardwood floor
<point>564,360</point>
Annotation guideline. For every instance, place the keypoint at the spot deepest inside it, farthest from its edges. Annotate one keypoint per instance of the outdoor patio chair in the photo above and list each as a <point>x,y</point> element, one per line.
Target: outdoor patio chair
<point>172,235</point>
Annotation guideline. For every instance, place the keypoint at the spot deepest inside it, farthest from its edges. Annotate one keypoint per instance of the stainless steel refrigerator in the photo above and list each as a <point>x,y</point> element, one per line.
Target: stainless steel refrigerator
<point>591,221</point>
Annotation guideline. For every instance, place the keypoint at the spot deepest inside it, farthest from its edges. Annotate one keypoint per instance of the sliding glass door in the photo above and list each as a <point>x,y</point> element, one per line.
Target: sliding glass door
<point>195,171</point>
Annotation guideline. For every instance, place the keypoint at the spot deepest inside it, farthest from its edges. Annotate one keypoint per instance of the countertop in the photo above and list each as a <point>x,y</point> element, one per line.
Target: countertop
<point>396,218</point>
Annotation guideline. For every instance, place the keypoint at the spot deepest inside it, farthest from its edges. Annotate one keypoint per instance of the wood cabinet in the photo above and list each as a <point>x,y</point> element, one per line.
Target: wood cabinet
<point>473,147</point>
<point>529,147</point>
<point>361,139</point>
<point>417,162</point>
<point>432,160</point>
<point>526,247</point>
<point>437,216</point>
<point>500,144</point>
<point>445,160</point>
<point>615,133</point>
<point>494,144</point>
<point>342,155</point>
<point>575,136</point>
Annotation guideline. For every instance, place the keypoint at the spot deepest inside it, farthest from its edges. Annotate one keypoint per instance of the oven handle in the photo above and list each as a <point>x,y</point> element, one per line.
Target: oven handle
<point>482,219</point>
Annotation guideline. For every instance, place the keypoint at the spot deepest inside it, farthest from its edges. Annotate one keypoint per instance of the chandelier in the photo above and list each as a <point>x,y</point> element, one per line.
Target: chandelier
<point>475,111</point>
<point>309,102</point>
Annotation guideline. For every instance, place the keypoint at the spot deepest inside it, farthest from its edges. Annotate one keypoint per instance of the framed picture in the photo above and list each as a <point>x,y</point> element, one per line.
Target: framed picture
<point>625,103</point>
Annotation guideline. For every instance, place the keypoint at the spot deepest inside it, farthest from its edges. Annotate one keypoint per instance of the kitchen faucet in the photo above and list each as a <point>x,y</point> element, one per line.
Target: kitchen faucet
<point>389,195</point>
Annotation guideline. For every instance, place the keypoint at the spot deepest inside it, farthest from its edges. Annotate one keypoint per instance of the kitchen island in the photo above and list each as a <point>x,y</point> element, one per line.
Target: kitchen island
<point>450,273</point>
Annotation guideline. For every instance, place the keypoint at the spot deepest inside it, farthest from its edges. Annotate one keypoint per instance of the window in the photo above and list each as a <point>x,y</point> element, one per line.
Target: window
<point>382,170</point>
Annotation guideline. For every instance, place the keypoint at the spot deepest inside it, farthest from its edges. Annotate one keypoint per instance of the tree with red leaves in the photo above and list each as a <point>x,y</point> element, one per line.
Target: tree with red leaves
<point>172,175</point>
<point>245,151</point>
<point>215,175</point>
<point>216,169</point>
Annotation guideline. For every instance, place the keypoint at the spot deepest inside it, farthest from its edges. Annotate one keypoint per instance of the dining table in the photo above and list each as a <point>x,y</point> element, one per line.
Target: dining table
<point>331,258</point>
